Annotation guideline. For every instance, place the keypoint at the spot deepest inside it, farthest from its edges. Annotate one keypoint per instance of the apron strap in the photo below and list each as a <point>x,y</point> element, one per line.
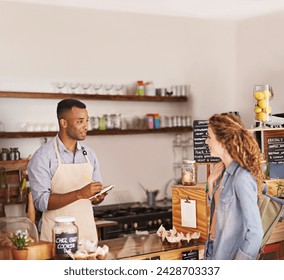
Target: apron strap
<point>56,150</point>
<point>58,156</point>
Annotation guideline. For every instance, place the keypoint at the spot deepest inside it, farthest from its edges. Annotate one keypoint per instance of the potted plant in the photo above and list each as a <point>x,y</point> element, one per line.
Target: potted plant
<point>20,242</point>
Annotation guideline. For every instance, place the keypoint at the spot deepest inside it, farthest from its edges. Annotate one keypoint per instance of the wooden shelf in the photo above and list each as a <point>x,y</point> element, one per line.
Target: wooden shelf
<point>48,95</point>
<point>98,132</point>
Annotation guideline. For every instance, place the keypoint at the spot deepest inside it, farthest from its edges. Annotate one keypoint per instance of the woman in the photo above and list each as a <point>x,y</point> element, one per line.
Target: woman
<point>233,189</point>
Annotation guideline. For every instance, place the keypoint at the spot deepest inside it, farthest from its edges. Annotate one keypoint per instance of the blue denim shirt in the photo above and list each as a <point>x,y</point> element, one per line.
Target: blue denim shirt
<point>239,228</point>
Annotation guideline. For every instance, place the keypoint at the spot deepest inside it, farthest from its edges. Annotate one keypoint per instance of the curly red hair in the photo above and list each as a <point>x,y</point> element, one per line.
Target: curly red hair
<point>240,144</point>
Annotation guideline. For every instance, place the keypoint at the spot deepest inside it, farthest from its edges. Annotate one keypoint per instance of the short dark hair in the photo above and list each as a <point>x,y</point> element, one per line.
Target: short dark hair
<point>66,105</point>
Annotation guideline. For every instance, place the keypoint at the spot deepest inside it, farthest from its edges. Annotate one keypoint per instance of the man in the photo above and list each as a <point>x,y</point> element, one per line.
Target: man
<point>60,172</point>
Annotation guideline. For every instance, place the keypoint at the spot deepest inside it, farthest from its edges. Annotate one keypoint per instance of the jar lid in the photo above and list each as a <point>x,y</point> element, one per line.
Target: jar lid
<point>188,161</point>
<point>64,219</point>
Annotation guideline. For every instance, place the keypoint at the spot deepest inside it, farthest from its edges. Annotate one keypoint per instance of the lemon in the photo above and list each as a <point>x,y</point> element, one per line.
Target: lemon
<point>259,95</point>
<point>267,94</point>
<point>262,104</point>
<point>261,117</point>
<point>257,109</point>
<point>267,110</point>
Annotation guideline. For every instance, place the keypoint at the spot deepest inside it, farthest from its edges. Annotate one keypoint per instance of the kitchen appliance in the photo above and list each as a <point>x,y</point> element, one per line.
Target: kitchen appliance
<point>151,195</point>
<point>132,217</point>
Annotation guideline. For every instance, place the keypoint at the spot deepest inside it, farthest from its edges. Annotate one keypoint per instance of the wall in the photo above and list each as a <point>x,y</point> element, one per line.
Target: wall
<point>260,44</point>
<point>41,45</point>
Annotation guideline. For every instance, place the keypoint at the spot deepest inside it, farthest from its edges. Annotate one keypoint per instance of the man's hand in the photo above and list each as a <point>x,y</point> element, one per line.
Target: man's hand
<point>98,199</point>
<point>90,190</point>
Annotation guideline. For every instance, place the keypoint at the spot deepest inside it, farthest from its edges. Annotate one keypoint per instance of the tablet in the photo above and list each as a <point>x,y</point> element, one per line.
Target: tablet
<point>106,189</point>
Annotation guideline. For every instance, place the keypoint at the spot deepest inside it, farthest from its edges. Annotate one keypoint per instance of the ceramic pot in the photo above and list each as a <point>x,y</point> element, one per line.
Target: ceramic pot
<point>20,254</point>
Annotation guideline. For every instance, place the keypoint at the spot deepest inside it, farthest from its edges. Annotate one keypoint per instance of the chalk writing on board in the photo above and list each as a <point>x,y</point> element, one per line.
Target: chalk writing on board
<point>200,148</point>
<point>275,150</point>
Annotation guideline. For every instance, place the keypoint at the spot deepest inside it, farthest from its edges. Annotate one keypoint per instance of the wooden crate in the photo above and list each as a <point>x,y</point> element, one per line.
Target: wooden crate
<point>197,193</point>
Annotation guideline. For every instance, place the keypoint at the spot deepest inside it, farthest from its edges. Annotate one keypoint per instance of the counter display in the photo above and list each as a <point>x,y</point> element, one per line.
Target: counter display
<point>145,247</point>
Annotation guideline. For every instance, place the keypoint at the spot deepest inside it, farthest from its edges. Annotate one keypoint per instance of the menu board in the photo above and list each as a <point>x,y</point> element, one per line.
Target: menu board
<point>275,150</point>
<point>200,148</point>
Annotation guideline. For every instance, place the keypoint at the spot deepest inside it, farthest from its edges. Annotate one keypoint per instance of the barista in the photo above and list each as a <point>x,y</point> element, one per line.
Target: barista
<point>59,172</point>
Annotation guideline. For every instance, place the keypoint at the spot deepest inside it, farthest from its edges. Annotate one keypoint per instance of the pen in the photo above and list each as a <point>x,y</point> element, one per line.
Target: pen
<point>89,179</point>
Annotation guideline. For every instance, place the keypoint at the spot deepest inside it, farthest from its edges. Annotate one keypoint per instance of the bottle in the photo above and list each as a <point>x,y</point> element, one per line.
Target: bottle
<point>140,88</point>
<point>102,123</point>
<point>157,121</point>
<point>64,237</point>
<point>150,118</point>
<point>188,173</point>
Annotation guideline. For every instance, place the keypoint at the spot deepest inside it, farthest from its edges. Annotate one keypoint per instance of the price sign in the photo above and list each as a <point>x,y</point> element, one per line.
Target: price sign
<point>190,255</point>
<point>200,148</point>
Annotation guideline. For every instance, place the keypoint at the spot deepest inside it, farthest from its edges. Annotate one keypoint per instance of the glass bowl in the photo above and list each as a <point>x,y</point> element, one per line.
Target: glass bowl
<point>10,225</point>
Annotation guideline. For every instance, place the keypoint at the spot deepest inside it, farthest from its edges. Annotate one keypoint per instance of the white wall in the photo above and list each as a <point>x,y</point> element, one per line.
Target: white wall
<point>41,45</point>
<point>260,59</point>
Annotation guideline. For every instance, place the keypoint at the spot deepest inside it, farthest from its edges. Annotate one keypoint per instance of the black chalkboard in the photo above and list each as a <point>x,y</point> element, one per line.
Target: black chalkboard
<point>190,255</point>
<point>200,149</point>
<point>275,150</point>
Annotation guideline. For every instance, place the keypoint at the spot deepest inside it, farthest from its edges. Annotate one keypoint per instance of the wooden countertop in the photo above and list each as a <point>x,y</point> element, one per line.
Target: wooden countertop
<point>145,247</point>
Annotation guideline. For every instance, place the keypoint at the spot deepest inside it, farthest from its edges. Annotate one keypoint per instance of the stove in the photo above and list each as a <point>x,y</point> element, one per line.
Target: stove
<point>132,217</point>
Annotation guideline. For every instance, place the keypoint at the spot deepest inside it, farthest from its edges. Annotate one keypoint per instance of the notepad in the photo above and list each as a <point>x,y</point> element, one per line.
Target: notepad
<point>188,213</point>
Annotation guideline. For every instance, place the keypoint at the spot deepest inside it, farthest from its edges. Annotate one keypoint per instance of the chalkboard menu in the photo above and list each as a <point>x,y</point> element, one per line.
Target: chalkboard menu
<point>275,150</point>
<point>200,149</point>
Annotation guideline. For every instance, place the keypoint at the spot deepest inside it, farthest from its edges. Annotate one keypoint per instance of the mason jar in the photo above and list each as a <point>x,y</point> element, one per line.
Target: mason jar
<point>64,237</point>
<point>116,119</point>
<point>188,173</point>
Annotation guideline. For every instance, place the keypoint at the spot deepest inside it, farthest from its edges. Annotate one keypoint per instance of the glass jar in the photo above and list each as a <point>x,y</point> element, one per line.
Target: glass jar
<point>64,237</point>
<point>102,123</point>
<point>109,122</point>
<point>116,119</point>
<point>140,91</point>
<point>262,95</point>
<point>188,173</point>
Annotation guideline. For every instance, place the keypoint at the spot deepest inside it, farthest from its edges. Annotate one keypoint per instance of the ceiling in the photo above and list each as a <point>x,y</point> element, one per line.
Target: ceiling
<point>214,9</point>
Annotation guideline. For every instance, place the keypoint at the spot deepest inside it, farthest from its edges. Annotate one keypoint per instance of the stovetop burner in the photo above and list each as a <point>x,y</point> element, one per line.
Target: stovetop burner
<point>132,217</point>
<point>127,211</point>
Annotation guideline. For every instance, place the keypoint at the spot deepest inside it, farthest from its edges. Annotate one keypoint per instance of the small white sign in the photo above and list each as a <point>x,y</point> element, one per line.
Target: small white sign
<point>188,213</point>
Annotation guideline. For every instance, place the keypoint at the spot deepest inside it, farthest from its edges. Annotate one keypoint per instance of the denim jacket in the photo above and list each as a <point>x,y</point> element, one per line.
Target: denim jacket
<point>239,228</point>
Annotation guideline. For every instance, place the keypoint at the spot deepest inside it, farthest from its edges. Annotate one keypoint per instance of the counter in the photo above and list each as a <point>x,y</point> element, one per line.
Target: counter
<point>136,247</point>
<point>139,247</point>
